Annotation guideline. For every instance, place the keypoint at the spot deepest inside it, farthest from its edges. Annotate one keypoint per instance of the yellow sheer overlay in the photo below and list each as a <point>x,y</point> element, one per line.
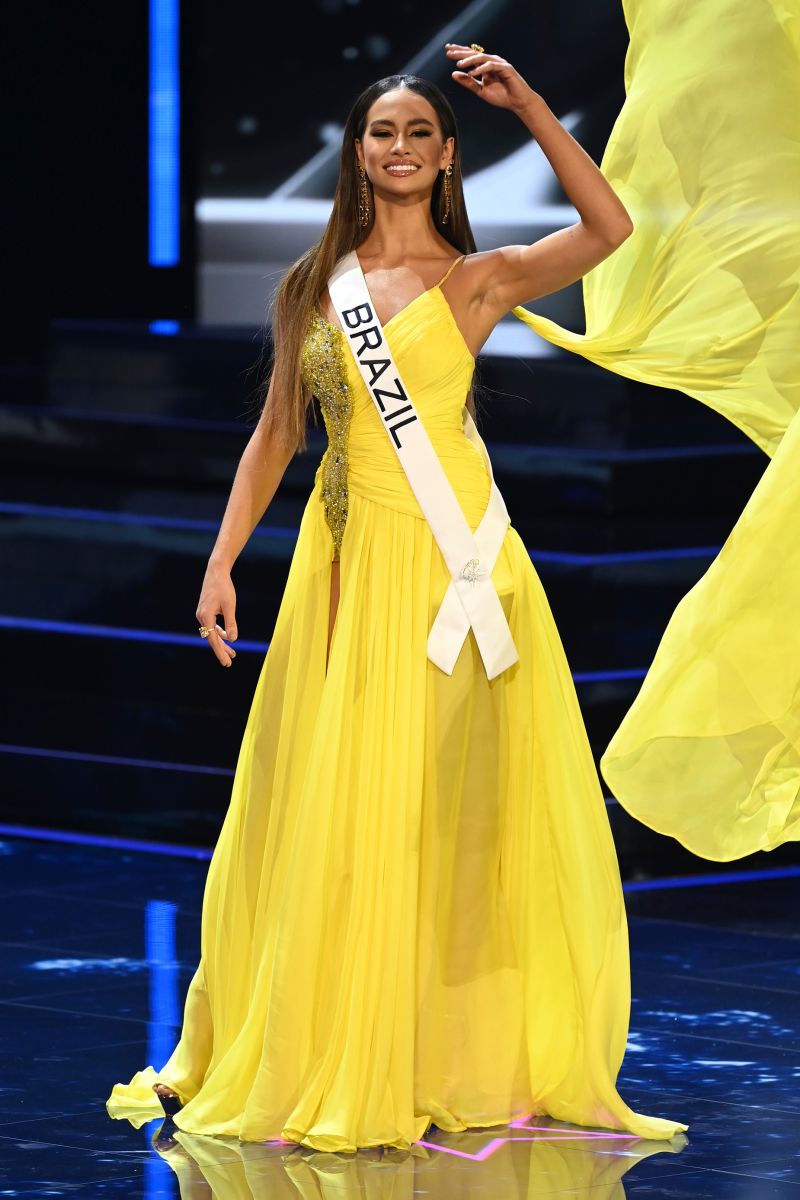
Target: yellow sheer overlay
<point>703,297</point>
<point>413,913</point>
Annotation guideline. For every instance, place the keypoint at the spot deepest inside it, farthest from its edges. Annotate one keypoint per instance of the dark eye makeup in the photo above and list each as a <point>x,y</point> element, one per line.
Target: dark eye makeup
<point>381,133</point>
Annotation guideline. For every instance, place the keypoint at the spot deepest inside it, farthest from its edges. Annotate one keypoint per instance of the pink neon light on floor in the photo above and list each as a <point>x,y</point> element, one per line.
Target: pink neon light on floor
<point>556,1135</point>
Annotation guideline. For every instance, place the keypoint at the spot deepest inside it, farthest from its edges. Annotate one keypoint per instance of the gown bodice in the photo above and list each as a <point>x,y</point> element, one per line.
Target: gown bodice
<point>437,368</point>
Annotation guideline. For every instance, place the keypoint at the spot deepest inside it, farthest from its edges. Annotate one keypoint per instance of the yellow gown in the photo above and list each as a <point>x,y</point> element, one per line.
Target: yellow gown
<point>414,912</point>
<point>705,297</point>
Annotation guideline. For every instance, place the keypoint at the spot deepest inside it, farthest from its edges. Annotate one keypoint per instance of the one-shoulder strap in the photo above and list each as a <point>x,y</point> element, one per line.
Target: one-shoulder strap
<point>452,267</point>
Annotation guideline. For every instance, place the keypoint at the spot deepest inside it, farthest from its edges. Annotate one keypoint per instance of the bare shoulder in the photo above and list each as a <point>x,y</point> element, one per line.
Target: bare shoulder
<point>500,279</point>
<point>325,307</point>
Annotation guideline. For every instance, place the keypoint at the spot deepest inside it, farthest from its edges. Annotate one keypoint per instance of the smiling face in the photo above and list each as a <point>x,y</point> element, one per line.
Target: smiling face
<point>402,148</point>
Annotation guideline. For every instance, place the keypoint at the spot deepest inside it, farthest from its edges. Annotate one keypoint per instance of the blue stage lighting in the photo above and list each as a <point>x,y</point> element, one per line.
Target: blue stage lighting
<point>164,134</point>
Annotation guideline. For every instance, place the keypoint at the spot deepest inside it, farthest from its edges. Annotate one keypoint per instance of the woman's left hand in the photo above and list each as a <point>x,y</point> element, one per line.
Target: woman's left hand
<point>490,77</point>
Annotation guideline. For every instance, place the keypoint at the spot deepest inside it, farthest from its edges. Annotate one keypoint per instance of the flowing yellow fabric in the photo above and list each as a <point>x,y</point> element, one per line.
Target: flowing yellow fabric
<point>704,297</point>
<point>414,912</point>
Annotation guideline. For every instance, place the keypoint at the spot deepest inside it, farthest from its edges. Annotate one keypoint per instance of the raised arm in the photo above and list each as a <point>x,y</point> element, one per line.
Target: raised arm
<point>499,279</point>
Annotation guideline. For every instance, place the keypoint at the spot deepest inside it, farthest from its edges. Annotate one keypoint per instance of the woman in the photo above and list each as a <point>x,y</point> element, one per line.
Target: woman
<point>413,913</point>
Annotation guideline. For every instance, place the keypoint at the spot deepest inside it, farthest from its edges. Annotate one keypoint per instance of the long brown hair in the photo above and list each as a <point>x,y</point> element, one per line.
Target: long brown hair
<point>287,398</point>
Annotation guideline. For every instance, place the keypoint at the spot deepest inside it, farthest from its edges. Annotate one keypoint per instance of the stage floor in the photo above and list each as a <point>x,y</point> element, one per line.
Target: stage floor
<point>97,945</point>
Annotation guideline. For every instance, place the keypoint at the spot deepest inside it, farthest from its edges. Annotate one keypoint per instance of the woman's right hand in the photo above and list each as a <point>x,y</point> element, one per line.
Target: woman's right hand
<point>218,595</point>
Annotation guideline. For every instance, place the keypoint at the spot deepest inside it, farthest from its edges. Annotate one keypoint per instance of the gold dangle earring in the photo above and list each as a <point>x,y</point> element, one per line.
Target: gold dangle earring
<point>364,205</point>
<point>447,190</point>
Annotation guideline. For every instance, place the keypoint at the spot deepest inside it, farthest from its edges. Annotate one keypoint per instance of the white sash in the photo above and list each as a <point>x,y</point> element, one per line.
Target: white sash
<point>471,598</point>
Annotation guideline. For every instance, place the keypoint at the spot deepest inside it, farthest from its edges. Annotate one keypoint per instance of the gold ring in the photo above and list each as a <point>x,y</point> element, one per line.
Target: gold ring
<point>478,49</point>
<point>205,630</point>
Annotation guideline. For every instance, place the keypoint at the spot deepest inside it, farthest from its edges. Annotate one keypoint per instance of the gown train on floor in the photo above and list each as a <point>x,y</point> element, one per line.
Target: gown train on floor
<point>414,912</point>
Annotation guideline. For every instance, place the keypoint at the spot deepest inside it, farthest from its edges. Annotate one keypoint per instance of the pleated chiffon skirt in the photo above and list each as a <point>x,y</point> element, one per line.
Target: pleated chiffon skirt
<point>414,912</point>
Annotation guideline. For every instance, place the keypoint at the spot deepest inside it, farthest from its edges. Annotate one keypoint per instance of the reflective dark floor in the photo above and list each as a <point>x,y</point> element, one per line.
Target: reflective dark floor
<point>98,945</point>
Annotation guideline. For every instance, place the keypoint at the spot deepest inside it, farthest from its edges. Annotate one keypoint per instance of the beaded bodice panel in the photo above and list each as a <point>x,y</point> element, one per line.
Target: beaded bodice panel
<point>325,372</point>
